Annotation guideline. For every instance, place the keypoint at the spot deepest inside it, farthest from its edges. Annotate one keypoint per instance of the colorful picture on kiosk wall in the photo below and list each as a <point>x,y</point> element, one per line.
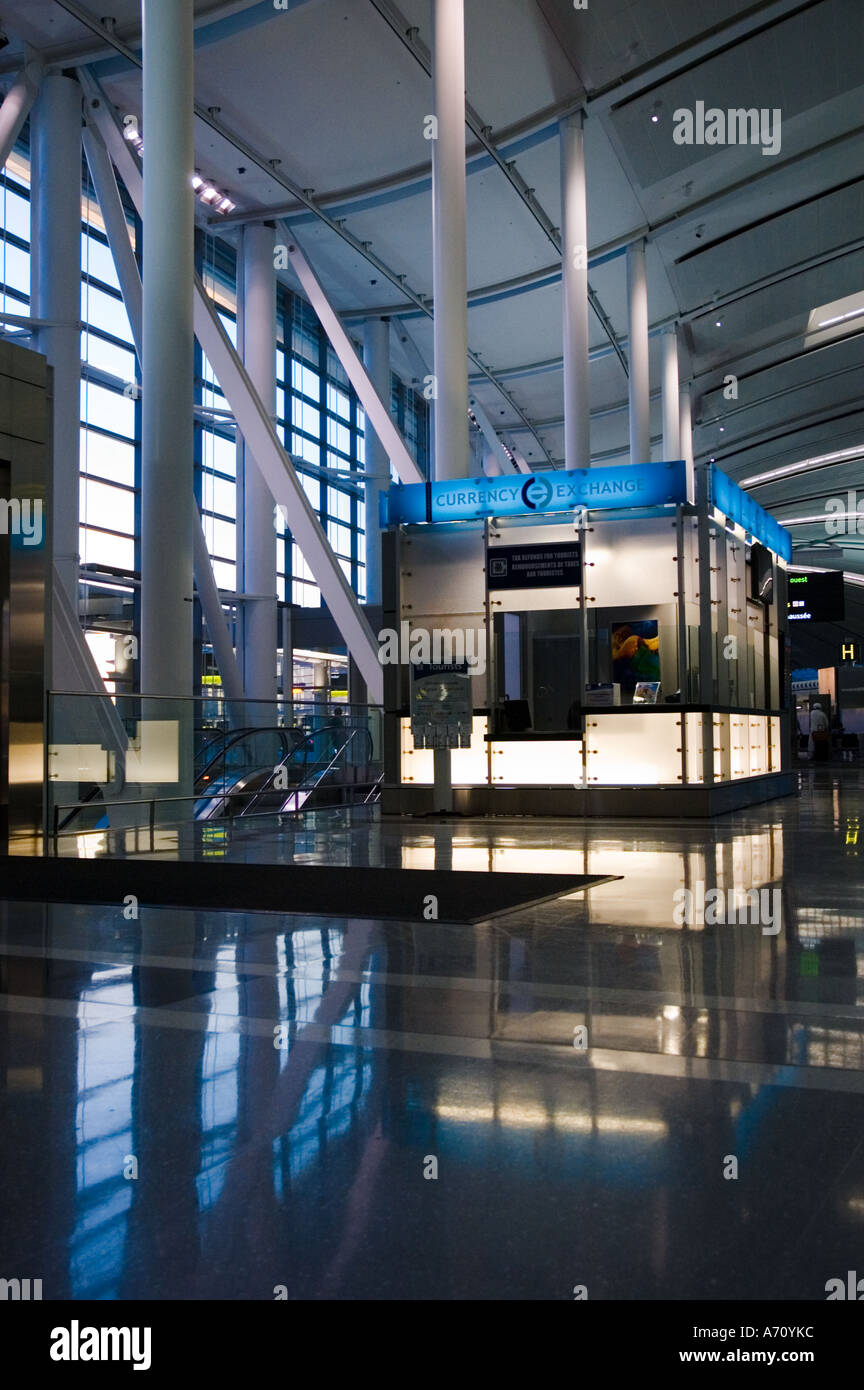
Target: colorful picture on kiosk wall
<point>635,653</point>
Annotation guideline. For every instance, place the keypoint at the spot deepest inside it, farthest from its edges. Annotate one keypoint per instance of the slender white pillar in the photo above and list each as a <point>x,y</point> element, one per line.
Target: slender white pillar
<point>449,255</point>
<point>574,294</point>
<point>167,368</point>
<point>671,396</point>
<point>57,298</point>
<point>686,437</point>
<point>258,542</point>
<point>376,359</point>
<point>637,315</point>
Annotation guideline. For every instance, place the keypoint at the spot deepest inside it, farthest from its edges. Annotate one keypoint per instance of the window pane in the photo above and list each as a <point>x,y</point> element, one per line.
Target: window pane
<point>312,488</point>
<point>338,402</point>
<point>97,548</point>
<point>107,506</point>
<point>305,449</point>
<point>305,380</point>
<point>230,326</point>
<point>220,537</point>
<point>339,537</point>
<point>219,495</point>
<point>16,270</point>
<point>219,453</point>
<point>96,260</point>
<point>335,368</point>
<point>107,458</point>
<point>305,417</point>
<point>110,409</point>
<point>305,343</point>
<point>102,310</point>
<point>338,436</point>
<point>307,595</point>
<point>225,575</point>
<point>16,214</point>
<point>108,357</point>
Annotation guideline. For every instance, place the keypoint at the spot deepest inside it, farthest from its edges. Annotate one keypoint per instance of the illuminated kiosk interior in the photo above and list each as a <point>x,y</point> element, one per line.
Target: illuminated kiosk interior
<point>634,637</point>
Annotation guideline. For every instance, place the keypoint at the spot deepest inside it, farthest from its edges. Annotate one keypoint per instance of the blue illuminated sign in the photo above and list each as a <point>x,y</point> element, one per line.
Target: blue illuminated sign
<point>729,498</point>
<point>466,499</point>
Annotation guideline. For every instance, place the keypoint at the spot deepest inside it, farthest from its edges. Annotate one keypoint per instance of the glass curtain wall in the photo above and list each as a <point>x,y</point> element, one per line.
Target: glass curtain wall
<point>319,420</point>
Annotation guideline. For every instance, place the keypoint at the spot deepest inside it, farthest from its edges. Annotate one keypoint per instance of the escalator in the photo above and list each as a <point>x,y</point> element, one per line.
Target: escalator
<point>304,770</point>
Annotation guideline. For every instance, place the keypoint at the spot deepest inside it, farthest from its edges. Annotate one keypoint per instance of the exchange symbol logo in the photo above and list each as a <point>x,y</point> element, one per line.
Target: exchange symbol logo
<point>536,493</point>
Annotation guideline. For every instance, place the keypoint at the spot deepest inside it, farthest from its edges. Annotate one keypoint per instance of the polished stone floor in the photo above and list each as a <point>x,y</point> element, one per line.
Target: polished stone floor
<point>201,1105</point>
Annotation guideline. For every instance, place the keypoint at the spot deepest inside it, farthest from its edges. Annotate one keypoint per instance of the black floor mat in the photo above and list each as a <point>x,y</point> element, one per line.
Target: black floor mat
<point>325,890</point>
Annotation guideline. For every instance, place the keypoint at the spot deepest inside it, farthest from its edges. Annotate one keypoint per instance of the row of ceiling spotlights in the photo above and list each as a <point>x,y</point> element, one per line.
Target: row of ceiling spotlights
<point>207,192</point>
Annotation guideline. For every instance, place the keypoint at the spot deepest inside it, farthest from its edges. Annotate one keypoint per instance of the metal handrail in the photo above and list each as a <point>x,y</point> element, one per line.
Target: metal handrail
<point>303,740</point>
<point>153,801</point>
<point>295,791</point>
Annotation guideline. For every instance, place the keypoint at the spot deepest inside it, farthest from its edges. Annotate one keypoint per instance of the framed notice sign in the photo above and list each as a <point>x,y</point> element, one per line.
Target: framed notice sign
<point>441,710</point>
<point>534,566</point>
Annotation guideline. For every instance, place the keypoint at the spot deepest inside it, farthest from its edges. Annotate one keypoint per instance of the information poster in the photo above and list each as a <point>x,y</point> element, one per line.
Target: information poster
<point>635,653</point>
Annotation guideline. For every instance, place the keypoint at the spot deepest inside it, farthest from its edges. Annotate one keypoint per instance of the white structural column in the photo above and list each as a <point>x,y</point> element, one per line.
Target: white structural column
<point>637,316</point>
<point>57,299</point>
<point>376,358</point>
<point>671,396</point>
<point>574,280</point>
<point>168,342</point>
<point>258,542</point>
<point>686,436</point>
<point>449,254</point>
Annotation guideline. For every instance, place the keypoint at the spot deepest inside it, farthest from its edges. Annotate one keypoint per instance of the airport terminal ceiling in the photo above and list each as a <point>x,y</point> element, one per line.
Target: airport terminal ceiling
<point>754,250</point>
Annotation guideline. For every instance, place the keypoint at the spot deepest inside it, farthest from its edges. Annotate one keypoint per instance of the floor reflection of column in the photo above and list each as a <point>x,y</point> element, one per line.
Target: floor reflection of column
<point>163,1229</point>
<point>306,1055</point>
<point>38,1100</point>
<point>247,1235</point>
<point>442,838</point>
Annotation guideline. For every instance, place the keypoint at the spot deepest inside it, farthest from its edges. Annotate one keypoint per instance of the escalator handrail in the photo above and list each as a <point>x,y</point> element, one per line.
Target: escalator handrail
<point>300,787</point>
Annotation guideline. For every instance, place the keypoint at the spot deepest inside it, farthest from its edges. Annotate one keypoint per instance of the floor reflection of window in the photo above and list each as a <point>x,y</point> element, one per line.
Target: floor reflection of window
<point>219,1092</point>
<point>328,1110</point>
<point>334,1091</point>
<point>103,1135</point>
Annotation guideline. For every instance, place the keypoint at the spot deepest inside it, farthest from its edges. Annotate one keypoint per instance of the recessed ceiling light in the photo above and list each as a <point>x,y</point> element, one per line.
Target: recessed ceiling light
<point>718,323</point>
<point>820,461</point>
<point>841,318</point>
